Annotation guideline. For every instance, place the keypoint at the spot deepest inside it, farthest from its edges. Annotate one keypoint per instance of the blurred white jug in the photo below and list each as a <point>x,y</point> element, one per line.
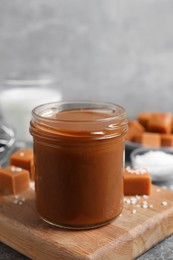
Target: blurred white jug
<point>19,98</point>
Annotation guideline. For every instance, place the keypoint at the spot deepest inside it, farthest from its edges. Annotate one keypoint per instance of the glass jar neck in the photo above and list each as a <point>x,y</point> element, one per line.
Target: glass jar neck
<point>91,120</point>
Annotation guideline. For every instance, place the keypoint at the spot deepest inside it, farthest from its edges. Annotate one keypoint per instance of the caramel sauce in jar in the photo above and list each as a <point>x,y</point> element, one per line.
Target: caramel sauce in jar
<point>79,160</point>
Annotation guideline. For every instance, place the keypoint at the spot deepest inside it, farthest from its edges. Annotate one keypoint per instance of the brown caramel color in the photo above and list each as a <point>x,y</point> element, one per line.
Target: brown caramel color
<point>160,123</point>
<point>143,118</point>
<point>32,169</point>
<point>134,128</point>
<point>22,158</point>
<point>167,140</point>
<point>79,179</point>
<point>148,139</point>
<point>13,180</point>
<point>136,183</point>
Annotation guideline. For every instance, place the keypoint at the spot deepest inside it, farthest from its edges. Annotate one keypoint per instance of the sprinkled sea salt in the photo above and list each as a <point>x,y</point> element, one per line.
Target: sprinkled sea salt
<point>133,201</point>
<point>32,185</point>
<point>18,200</point>
<point>145,206</point>
<point>145,196</point>
<point>133,211</point>
<point>164,203</point>
<point>18,169</point>
<point>137,197</point>
<point>15,169</point>
<point>137,171</point>
<point>127,201</point>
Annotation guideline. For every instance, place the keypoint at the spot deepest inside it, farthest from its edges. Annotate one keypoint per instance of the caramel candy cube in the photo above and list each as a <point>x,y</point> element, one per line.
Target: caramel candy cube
<point>22,158</point>
<point>137,181</point>
<point>143,118</point>
<point>134,128</point>
<point>160,123</point>
<point>149,139</point>
<point>13,180</point>
<point>167,140</point>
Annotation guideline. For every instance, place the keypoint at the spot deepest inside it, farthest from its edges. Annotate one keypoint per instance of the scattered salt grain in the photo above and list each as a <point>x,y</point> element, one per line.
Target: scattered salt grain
<point>138,197</point>
<point>137,171</point>
<point>18,169</point>
<point>13,168</point>
<point>144,206</point>
<point>164,203</point>
<point>133,201</point>
<point>15,201</point>
<point>133,211</point>
<point>127,201</point>
<point>32,185</point>
<point>18,200</point>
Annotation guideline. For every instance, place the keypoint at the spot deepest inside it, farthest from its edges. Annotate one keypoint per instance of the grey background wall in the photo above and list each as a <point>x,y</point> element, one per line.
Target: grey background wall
<point>112,50</point>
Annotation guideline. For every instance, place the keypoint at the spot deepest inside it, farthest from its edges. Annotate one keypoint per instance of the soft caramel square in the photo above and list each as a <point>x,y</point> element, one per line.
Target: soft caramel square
<point>160,123</point>
<point>167,140</point>
<point>22,158</point>
<point>149,139</point>
<point>134,128</point>
<point>143,118</point>
<point>13,180</point>
<point>137,181</point>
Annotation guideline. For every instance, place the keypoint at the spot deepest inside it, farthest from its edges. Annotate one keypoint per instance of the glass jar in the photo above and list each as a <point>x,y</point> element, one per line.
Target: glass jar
<point>79,159</point>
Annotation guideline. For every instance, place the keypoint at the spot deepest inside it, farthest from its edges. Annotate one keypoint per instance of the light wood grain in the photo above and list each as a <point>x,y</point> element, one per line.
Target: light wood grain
<point>125,238</point>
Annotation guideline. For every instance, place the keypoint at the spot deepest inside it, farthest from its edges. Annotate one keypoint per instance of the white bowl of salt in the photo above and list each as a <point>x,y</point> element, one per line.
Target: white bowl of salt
<point>158,162</point>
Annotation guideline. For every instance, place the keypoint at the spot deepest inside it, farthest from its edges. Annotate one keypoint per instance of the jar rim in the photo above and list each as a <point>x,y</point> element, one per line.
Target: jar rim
<point>114,110</point>
<point>110,122</point>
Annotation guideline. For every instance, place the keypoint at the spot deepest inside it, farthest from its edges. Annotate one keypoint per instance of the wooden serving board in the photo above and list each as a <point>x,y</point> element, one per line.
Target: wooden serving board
<point>125,238</point>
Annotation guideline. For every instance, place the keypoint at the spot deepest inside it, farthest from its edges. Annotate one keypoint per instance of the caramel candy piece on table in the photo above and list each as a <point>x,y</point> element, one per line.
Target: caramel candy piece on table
<point>148,139</point>
<point>143,118</point>
<point>134,128</point>
<point>160,123</point>
<point>137,181</point>
<point>22,158</point>
<point>167,140</point>
<point>13,180</point>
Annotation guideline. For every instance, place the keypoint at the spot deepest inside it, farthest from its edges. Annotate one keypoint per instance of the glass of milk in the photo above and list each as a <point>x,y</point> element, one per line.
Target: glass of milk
<point>19,97</point>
